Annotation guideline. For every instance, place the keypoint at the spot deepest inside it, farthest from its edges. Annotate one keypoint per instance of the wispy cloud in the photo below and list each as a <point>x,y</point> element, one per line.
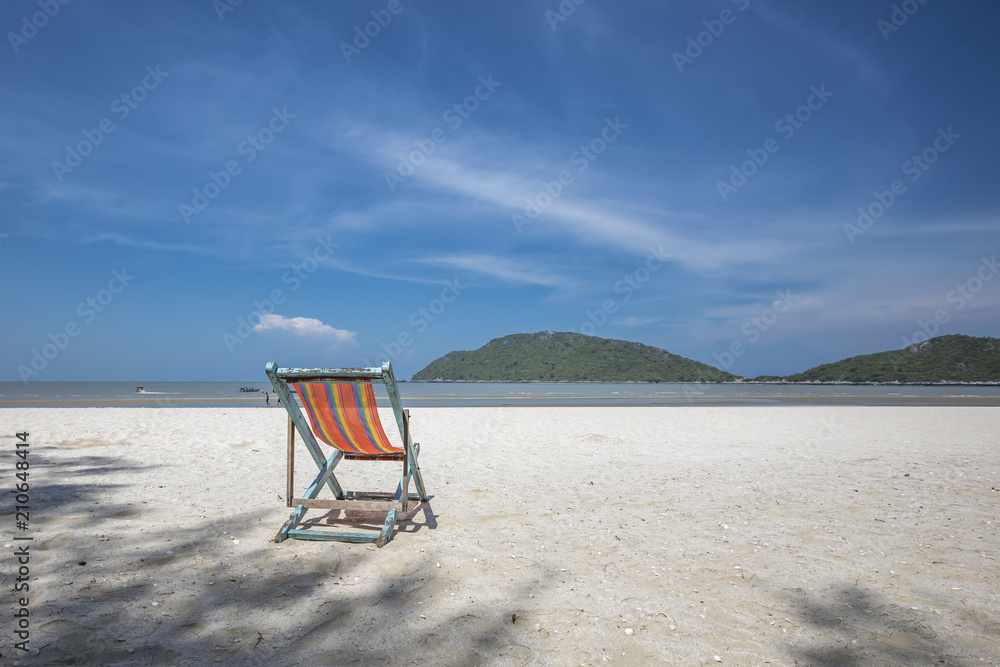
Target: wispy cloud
<point>639,321</point>
<point>506,269</point>
<point>505,172</point>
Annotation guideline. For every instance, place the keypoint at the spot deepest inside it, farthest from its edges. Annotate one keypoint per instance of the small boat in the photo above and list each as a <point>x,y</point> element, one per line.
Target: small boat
<point>253,389</point>
<point>138,389</point>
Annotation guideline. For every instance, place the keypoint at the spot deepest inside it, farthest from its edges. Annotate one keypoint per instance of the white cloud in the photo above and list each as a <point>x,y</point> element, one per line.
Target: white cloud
<point>305,326</point>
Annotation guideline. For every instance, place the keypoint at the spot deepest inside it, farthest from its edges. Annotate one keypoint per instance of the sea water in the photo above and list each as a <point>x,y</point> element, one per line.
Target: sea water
<point>455,394</point>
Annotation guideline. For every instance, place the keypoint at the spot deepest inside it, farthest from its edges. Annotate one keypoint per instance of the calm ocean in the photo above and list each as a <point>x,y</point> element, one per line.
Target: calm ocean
<point>225,394</point>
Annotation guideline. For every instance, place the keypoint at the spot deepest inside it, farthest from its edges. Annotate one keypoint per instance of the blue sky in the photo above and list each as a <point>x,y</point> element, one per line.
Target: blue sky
<point>687,175</point>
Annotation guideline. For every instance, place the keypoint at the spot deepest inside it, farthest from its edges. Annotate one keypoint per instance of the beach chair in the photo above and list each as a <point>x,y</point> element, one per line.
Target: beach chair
<point>340,411</point>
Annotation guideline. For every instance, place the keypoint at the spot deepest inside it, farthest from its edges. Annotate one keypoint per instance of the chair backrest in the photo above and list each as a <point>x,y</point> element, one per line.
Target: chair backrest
<point>340,404</point>
<point>344,415</point>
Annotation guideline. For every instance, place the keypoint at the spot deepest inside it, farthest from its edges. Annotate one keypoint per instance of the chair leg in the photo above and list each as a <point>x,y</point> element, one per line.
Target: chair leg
<point>418,479</point>
<point>387,529</point>
<point>292,522</point>
<point>412,468</point>
<point>404,486</point>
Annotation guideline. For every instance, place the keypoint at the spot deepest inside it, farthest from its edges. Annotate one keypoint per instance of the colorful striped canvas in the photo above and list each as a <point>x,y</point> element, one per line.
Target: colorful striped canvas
<point>344,415</point>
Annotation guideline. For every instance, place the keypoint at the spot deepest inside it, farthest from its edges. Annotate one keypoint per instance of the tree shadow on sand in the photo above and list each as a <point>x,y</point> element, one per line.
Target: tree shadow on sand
<point>185,592</point>
<point>863,628</point>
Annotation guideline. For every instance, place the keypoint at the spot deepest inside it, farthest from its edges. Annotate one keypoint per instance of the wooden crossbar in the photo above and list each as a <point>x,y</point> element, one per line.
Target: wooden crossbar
<point>357,538</point>
<point>306,374</point>
<point>359,505</point>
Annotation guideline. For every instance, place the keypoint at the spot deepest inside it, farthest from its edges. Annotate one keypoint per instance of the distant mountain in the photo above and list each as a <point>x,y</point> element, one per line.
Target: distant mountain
<point>953,358</point>
<point>550,356</point>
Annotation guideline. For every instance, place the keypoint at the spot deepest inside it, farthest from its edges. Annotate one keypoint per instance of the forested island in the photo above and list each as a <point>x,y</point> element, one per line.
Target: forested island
<point>551,356</point>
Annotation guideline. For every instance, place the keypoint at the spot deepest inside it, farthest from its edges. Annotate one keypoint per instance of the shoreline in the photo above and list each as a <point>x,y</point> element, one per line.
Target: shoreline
<point>730,382</point>
<point>513,401</point>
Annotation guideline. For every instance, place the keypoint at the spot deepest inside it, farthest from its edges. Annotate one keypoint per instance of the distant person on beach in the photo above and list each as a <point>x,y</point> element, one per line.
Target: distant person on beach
<point>279,398</point>
<point>267,398</point>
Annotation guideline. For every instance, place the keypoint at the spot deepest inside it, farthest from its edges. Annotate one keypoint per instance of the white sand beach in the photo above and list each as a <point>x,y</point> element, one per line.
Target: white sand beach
<point>554,536</point>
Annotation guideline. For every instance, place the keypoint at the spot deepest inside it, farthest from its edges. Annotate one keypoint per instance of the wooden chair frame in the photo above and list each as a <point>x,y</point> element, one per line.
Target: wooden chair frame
<point>347,500</point>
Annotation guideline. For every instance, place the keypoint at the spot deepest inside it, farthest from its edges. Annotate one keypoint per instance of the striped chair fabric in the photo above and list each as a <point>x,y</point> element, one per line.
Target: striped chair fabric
<point>344,415</point>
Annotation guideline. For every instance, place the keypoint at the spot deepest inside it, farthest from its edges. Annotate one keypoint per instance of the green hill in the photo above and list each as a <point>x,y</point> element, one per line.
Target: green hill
<point>953,358</point>
<point>550,356</point>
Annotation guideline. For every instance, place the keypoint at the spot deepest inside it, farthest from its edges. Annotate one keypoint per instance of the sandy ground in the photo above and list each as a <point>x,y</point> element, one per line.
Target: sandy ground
<point>688,536</point>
